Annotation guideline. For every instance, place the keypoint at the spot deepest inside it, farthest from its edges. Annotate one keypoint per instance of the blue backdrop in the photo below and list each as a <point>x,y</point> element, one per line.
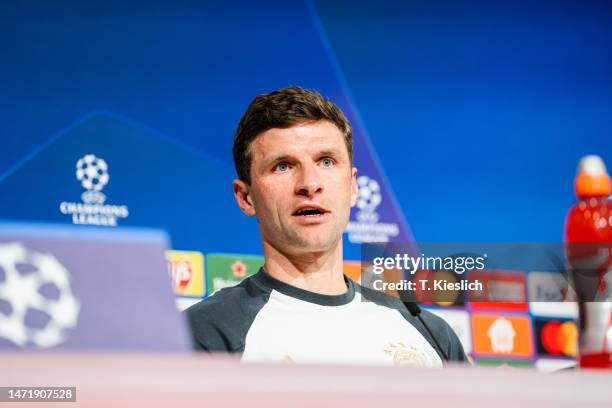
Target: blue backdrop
<point>476,111</point>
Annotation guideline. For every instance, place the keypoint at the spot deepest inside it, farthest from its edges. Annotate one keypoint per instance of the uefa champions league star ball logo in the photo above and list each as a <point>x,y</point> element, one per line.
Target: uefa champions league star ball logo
<point>369,194</point>
<point>368,199</point>
<point>367,226</point>
<point>92,172</point>
<point>34,284</point>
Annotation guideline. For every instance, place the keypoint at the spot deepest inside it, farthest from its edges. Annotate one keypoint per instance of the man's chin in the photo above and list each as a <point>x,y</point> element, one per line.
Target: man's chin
<point>305,246</point>
<point>315,245</point>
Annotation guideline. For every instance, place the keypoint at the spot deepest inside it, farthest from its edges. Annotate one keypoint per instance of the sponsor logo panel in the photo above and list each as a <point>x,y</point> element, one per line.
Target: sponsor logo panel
<point>502,290</point>
<point>568,310</point>
<point>495,362</point>
<point>550,295</point>
<point>502,335</point>
<point>432,296</point>
<point>548,365</point>
<point>556,337</point>
<point>225,270</point>
<point>352,269</point>
<point>459,321</point>
<point>186,269</point>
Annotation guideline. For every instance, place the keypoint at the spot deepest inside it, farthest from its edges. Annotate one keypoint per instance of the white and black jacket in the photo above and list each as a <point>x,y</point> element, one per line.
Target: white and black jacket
<point>265,319</point>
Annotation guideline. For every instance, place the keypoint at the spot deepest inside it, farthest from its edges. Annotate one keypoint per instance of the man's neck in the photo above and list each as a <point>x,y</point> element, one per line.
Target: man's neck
<point>319,272</point>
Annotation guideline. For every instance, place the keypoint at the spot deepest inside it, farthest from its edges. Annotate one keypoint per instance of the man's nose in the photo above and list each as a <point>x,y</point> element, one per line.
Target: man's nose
<point>309,181</point>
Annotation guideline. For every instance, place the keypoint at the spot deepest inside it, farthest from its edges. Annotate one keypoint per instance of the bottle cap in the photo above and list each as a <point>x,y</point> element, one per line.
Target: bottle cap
<point>592,178</point>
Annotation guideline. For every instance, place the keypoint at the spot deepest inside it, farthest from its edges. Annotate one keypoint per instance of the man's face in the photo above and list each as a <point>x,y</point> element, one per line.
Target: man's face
<point>302,187</point>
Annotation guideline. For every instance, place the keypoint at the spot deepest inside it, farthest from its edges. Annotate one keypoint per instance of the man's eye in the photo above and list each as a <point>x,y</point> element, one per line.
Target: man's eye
<point>327,162</point>
<point>281,167</point>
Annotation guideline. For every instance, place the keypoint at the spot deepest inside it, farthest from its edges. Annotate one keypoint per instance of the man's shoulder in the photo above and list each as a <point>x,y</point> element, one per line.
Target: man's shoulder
<point>228,300</point>
<point>221,299</point>
<point>380,297</point>
<point>220,322</point>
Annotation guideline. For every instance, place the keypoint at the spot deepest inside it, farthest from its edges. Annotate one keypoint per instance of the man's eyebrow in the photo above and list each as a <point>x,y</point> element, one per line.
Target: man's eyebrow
<point>276,158</point>
<point>330,152</point>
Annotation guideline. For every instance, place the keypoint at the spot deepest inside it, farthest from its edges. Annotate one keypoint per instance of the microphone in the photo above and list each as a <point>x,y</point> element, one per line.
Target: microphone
<point>415,311</point>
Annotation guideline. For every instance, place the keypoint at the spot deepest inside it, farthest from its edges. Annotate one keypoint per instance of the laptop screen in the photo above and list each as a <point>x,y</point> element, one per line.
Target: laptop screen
<point>64,287</point>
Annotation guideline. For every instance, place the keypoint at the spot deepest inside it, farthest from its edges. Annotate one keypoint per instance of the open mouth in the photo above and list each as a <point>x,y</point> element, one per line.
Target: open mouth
<point>309,212</point>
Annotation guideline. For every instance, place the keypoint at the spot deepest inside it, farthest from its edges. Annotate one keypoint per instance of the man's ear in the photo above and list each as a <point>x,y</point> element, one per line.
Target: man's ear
<point>242,193</point>
<point>354,188</point>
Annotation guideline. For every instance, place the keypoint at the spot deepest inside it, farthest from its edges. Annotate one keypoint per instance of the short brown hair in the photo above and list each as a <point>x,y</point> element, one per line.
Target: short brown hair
<point>284,108</point>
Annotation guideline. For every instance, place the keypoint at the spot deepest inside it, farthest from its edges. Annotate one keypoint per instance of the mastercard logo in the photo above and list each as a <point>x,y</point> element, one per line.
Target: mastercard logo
<point>557,338</point>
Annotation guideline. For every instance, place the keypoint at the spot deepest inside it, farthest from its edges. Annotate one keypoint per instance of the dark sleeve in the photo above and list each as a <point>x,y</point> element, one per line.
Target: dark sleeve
<point>206,331</point>
<point>446,336</point>
<point>220,323</point>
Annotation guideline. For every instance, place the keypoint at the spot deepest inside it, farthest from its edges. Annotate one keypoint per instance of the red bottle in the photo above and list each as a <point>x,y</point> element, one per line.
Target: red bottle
<point>588,243</point>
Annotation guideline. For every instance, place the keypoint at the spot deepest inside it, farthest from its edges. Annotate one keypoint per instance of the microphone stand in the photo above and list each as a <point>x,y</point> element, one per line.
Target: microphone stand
<point>415,311</point>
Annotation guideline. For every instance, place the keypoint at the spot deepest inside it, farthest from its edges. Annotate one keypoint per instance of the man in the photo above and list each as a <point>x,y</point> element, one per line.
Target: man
<point>293,155</point>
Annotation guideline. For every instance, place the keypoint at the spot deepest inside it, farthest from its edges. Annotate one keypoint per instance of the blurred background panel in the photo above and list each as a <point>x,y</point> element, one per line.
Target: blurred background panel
<point>479,110</point>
